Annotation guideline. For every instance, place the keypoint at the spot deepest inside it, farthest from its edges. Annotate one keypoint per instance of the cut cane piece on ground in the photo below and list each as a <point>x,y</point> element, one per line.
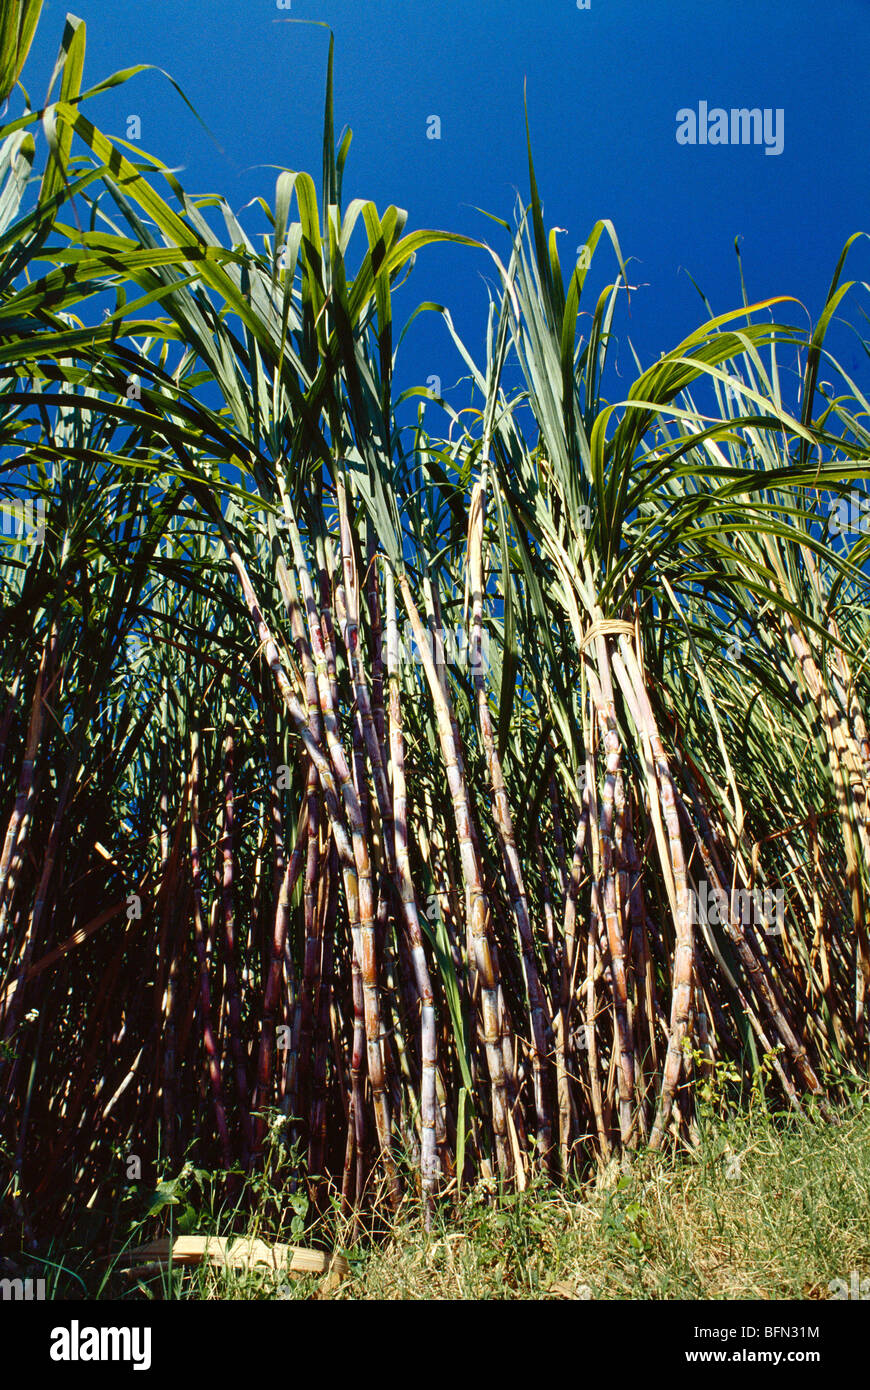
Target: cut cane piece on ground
<point>238,1253</point>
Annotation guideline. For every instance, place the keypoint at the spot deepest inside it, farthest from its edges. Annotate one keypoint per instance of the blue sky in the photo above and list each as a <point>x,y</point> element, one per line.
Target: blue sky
<point>604,88</point>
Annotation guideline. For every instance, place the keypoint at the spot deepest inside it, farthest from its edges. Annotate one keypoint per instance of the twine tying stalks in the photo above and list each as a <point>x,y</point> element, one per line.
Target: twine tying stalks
<point>606,627</point>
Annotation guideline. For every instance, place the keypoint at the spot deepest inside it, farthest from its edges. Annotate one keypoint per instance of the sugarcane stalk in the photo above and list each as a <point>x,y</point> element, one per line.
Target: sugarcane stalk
<point>539,1019</point>
<point>313,947</point>
<point>356,868</point>
<point>318,1126</point>
<point>681,986</point>
<point>478,906</point>
<point>27,775</point>
<point>366,945</point>
<point>602,694</point>
<point>272,989</point>
<point>234,1003</point>
<point>429,1162</point>
<point>206,1024</point>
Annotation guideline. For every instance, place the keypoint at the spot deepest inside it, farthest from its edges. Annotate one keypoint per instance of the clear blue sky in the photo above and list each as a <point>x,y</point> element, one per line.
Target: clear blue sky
<point>604,87</point>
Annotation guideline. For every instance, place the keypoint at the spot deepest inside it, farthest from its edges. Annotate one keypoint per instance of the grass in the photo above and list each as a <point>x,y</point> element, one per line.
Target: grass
<point>793,1215</point>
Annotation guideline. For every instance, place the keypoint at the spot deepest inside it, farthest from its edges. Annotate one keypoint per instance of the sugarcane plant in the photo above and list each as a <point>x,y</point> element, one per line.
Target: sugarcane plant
<point>439,793</point>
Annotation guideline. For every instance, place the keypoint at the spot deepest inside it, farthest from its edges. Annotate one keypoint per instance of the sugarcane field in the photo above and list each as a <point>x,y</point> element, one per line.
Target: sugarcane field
<point>434,695</point>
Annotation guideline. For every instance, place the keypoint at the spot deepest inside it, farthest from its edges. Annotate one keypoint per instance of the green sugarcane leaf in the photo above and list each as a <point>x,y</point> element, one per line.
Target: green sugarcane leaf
<point>18,21</point>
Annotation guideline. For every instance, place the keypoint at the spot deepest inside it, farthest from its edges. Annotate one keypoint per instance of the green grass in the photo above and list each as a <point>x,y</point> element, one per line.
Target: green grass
<point>768,1208</point>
